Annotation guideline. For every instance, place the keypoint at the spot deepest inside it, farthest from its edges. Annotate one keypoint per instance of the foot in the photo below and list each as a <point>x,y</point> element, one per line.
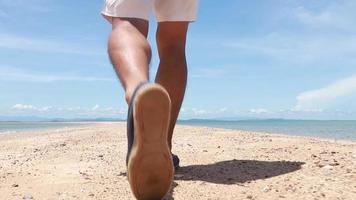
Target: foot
<point>149,161</point>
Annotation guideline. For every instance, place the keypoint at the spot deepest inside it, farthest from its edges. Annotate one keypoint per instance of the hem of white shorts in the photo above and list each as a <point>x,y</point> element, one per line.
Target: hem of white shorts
<point>108,14</point>
<point>172,19</point>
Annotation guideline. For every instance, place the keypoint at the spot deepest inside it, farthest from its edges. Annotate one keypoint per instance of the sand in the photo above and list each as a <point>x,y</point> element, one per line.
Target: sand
<point>87,162</point>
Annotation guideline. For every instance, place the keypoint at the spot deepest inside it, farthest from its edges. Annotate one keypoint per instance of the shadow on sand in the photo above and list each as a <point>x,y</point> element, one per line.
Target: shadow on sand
<point>234,172</point>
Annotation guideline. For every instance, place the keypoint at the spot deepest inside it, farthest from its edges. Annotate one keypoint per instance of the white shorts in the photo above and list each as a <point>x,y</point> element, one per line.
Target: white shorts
<point>165,10</point>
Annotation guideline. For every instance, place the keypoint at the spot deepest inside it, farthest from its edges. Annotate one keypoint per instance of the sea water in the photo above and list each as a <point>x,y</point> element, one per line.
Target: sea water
<point>331,129</point>
<point>13,127</point>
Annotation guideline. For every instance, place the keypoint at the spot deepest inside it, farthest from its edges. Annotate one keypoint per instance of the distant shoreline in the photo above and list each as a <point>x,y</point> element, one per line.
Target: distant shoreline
<point>331,129</point>
<point>178,121</point>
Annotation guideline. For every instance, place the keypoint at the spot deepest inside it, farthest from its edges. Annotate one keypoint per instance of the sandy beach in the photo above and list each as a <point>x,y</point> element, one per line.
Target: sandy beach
<point>87,162</point>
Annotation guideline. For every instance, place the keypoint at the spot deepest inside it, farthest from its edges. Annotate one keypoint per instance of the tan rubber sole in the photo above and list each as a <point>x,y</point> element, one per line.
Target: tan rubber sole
<point>150,167</point>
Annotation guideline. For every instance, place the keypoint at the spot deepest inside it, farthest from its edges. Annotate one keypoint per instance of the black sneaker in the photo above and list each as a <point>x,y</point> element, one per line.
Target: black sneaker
<point>149,161</point>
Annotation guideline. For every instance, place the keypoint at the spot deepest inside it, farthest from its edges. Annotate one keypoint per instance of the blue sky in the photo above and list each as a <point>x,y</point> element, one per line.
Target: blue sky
<point>247,59</point>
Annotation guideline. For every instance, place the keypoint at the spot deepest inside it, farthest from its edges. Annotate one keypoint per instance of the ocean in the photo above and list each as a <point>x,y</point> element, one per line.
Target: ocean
<point>330,129</point>
<point>14,127</point>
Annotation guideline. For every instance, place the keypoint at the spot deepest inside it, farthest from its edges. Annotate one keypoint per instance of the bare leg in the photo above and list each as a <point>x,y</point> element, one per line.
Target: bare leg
<point>172,71</point>
<point>129,52</point>
<point>149,166</point>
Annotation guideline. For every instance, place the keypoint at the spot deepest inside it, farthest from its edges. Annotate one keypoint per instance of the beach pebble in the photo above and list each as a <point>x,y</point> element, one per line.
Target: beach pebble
<point>320,165</point>
<point>328,167</point>
<point>27,197</point>
<point>14,162</point>
<point>15,185</point>
<point>266,189</point>
<point>334,164</point>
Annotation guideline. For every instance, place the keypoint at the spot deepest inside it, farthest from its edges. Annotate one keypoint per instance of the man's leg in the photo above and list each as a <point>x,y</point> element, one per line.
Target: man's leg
<point>130,52</point>
<point>149,165</point>
<point>172,70</point>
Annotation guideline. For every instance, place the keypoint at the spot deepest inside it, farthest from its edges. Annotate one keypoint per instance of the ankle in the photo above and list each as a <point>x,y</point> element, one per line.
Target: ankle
<point>130,90</point>
<point>128,95</point>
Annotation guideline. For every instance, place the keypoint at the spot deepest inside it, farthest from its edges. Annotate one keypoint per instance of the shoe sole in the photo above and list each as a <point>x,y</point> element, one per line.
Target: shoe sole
<point>150,167</point>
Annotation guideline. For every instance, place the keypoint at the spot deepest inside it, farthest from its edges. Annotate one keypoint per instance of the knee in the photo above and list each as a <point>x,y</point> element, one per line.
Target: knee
<point>171,39</point>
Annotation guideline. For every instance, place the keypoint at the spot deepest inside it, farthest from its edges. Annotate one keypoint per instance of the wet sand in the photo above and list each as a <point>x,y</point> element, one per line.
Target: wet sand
<point>88,162</point>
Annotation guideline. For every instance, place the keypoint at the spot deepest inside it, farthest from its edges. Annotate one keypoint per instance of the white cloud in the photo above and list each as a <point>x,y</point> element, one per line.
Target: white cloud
<point>296,48</point>
<point>332,95</point>
<point>186,113</point>
<point>336,15</point>
<point>23,107</point>
<point>221,110</point>
<point>264,113</point>
<point>31,108</point>
<point>322,34</point>
<point>200,112</point>
<point>258,111</point>
<point>95,107</point>
<point>36,44</point>
<point>15,74</point>
<point>45,108</point>
<point>53,111</point>
<point>315,19</point>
